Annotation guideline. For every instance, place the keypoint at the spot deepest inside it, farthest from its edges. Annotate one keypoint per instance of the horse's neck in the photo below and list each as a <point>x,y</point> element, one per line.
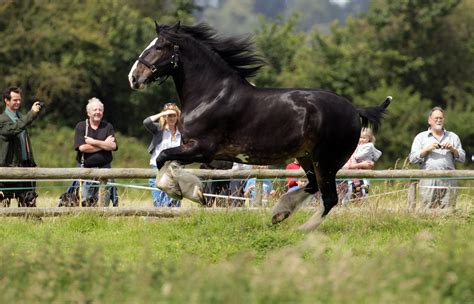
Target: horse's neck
<point>193,91</point>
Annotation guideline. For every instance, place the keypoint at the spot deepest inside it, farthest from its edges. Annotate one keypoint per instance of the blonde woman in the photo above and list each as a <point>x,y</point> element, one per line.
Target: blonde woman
<point>165,129</point>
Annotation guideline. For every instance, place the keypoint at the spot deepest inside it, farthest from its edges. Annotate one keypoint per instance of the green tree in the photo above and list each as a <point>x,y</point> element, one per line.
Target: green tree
<point>278,43</point>
<point>232,17</point>
<point>427,40</point>
<point>366,61</point>
<point>342,61</point>
<point>85,50</point>
<point>313,14</point>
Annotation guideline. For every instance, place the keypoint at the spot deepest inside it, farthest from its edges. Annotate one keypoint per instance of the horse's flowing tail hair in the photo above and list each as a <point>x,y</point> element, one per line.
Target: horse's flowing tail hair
<point>372,116</point>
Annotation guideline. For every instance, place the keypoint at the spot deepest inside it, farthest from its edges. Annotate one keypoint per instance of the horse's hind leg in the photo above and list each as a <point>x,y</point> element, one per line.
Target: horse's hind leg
<point>290,201</point>
<point>326,177</point>
<point>309,168</point>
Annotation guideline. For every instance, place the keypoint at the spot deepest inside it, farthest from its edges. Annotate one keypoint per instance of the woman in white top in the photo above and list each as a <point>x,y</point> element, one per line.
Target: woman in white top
<point>165,129</point>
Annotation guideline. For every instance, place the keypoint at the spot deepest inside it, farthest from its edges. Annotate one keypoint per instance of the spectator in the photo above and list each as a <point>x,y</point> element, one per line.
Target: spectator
<point>294,183</point>
<point>364,157</point>
<point>165,129</point>
<point>15,148</point>
<point>236,186</point>
<point>94,141</point>
<point>250,185</point>
<point>437,149</point>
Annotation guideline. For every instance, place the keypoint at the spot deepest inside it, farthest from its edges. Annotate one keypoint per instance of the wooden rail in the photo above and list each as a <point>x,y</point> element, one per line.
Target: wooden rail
<point>15,173</point>
<point>131,173</point>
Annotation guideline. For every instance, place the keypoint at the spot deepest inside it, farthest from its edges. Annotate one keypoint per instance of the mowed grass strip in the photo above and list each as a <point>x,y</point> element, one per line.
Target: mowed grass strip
<point>373,256</point>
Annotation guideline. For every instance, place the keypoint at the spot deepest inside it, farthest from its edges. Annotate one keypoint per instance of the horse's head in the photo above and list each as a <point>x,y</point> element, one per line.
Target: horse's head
<point>158,59</point>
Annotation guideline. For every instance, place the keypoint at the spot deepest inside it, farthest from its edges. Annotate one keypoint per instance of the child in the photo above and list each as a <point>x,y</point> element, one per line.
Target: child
<point>364,157</point>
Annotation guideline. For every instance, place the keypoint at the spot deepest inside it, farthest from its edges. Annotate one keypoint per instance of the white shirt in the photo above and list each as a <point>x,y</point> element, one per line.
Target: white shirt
<point>166,143</point>
<point>367,151</point>
<point>438,159</point>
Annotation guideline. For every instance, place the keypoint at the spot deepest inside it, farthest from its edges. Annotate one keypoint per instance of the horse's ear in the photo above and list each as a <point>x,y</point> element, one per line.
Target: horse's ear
<point>157,28</point>
<point>176,26</point>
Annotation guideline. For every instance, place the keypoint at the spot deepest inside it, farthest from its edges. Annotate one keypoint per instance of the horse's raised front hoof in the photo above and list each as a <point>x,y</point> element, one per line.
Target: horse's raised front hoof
<point>191,186</point>
<point>166,181</point>
<point>198,197</point>
<point>280,216</point>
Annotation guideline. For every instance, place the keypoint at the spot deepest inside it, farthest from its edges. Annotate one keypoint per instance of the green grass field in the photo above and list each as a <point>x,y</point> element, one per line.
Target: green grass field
<point>357,255</point>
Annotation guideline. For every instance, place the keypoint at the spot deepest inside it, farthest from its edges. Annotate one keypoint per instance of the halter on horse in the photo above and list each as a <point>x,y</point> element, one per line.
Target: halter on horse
<point>224,117</point>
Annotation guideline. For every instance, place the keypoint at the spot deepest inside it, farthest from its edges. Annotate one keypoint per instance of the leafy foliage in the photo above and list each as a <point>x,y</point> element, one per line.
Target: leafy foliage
<point>278,44</point>
<point>84,51</point>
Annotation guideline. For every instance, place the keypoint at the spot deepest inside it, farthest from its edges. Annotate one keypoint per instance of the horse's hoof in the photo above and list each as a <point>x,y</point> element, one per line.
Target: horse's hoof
<point>313,222</point>
<point>280,216</point>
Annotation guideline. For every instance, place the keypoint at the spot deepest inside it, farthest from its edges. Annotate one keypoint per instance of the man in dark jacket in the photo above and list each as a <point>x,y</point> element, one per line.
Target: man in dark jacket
<point>15,148</point>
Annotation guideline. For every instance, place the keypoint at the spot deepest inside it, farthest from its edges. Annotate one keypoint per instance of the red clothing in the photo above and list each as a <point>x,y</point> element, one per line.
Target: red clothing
<point>292,181</point>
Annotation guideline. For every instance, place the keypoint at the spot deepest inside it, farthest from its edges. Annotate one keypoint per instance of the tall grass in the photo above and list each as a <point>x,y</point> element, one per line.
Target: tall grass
<point>238,257</point>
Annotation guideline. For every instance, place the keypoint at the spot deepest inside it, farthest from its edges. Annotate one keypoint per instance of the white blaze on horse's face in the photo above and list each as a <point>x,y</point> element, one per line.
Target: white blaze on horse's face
<point>132,77</point>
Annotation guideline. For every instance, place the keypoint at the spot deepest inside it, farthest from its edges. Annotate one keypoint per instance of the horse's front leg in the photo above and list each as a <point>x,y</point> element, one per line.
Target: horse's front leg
<point>175,181</point>
<point>290,201</point>
<point>191,152</point>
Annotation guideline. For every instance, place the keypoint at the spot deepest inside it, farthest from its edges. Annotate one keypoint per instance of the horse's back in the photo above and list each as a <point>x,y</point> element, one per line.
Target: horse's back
<point>284,123</point>
<point>318,108</point>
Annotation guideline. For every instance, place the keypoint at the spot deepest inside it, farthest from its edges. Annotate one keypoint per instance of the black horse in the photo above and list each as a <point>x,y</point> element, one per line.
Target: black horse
<point>224,117</point>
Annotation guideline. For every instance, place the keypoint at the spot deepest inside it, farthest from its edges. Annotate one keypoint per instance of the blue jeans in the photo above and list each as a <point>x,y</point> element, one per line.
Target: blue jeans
<point>90,192</point>
<point>160,198</point>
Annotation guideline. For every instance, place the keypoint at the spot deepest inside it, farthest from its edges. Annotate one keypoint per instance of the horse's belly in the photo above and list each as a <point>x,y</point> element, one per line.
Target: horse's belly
<point>251,155</point>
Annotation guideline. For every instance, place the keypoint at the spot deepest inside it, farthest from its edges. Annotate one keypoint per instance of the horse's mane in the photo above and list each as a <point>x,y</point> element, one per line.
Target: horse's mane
<point>238,52</point>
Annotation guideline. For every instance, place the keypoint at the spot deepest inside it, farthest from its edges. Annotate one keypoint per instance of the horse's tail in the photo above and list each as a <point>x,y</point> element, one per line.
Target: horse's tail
<point>373,115</point>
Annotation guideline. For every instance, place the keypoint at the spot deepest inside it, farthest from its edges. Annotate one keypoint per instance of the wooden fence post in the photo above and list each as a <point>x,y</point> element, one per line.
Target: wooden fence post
<point>101,192</point>
<point>258,193</point>
<point>412,194</point>
<point>80,192</point>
